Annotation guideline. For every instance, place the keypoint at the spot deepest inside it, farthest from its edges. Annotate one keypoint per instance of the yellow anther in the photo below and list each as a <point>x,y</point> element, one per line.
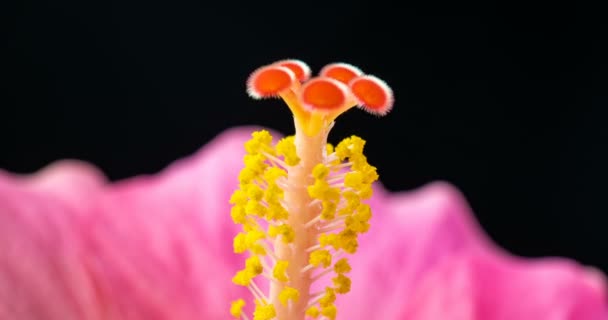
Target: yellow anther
<point>258,249</point>
<point>352,223</point>
<point>342,283</point>
<point>284,230</point>
<point>354,180</point>
<point>251,239</point>
<point>350,147</point>
<point>364,212</point>
<point>238,215</point>
<point>369,174</point>
<point>255,208</point>
<point>246,176</point>
<point>313,312</point>
<point>264,311</point>
<point>320,257</point>
<point>347,241</point>
<point>276,212</point>
<point>236,308</point>
<point>273,193</point>
<point>287,294</point>
<point>256,163</point>
<point>253,265</point>
<point>329,210</point>
<point>352,202</point>
<point>239,197</point>
<point>254,192</point>
<point>273,173</point>
<point>328,298</point>
<point>242,278</point>
<point>328,239</point>
<point>280,270</point>
<point>260,141</point>
<point>356,145</point>
<point>366,192</point>
<point>320,171</point>
<point>343,150</point>
<point>330,312</point>
<point>351,198</point>
<point>322,191</point>
<point>286,148</point>
<point>342,266</point>
<point>240,243</point>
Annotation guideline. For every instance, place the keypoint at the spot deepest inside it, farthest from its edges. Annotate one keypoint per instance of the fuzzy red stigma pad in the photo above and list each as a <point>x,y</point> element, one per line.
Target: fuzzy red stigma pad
<point>324,94</point>
<point>373,94</point>
<point>342,72</point>
<point>270,81</point>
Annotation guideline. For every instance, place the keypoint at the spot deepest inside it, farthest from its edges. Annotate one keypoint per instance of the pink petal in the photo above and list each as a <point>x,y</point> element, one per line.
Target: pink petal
<point>156,247</point>
<point>437,264</point>
<point>41,276</point>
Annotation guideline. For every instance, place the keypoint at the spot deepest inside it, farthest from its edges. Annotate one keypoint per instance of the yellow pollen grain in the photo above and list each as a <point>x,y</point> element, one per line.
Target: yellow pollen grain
<point>320,257</point>
<point>328,298</point>
<point>342,266</point>
<point>329,311</point>
<point>279,271</point>
<point>286,148</point>
<point>253,265</point>
<point>236,308</point>
<point>264,311</point>
<point>341,283</point>
<point>313,312</point>
<point>289,294</point>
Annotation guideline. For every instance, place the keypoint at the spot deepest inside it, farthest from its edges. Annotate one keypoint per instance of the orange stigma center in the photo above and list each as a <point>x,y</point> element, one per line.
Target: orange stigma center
<point>272,80</point>
<point>340,73</point>
<point>323,94</point>
<point>300,71</point>
<point>373,95</point>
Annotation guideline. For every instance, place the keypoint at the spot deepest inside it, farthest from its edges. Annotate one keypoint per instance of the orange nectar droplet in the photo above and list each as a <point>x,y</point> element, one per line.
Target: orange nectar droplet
<point>299,68</point>
<point>270,81</point>
<point>342,72</point>
<point>373,94</point>
<point>324,94</point>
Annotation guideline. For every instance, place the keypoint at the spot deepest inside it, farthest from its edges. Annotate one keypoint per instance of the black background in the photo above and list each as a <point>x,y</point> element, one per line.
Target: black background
<point>507,103</point>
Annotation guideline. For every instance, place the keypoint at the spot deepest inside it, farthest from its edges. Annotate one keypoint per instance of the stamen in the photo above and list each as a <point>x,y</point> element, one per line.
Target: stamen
<point>312,222</point>
<point>275,160</point>
<point>307,268</point>
<point>313,248</point>
<point>332,228</point>
<point>321,274</point>
<point>257,294</point>
<point>341,165</point>
<point>259,291</point>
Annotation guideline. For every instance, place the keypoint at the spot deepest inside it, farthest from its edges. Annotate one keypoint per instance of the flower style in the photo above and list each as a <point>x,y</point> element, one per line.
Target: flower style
<point>75,247</point>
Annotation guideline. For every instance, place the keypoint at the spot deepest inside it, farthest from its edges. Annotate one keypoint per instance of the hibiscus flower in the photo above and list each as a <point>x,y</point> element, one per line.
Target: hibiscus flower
<point>75,246</point>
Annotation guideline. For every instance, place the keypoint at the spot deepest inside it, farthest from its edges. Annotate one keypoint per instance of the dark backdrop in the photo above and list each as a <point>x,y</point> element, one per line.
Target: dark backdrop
<point>507,103</point>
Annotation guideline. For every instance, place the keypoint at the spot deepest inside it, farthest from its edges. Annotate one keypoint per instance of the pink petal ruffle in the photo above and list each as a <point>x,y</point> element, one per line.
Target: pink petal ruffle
<point>426,258</point>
